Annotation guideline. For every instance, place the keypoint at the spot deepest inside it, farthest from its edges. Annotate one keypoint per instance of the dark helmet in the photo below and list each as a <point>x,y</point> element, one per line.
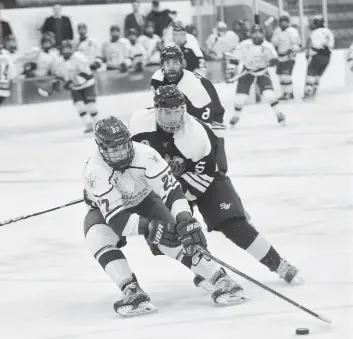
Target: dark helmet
<point>172,52</point>
<point>178,27</point>
<point>317,21</point>
<point>169,103</point>
<point>257,39</point>
<point>114,143</point>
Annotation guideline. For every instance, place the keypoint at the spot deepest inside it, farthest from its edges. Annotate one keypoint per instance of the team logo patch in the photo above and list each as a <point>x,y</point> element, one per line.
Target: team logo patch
<point>92,180</point>
<point>177,165</point>
<point>154,158</point>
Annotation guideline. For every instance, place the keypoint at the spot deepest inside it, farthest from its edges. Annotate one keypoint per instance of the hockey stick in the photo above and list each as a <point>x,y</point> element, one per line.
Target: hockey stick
<point>303,308</point>
<point>22,217</point>
<point>237,77</point>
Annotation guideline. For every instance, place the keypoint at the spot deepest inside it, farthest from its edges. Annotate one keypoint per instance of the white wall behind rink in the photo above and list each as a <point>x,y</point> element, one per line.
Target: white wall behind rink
<point>27,21</point>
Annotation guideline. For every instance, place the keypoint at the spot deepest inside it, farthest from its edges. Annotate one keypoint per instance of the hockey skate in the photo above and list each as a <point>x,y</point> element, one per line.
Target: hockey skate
<point>135,301</point>
<point>226,290</point>
<point>218,125</point>
<point>233,121</point>
<point>289,273</point>
<point>281,119</point>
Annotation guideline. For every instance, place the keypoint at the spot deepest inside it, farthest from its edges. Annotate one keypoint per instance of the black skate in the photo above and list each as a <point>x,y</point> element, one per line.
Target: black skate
<point>233,121</point>
<point>203,283</point>
<point>135,300</point>
<point>289,273</point>
<point>226,290</point>
<point>281,119</point>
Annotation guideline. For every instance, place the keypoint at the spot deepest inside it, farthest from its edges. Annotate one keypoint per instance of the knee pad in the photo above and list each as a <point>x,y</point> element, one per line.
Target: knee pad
<point>80,107</point>
<point>240,100</point>
<point>99,237</point>
<point>270,96</point>
<point>91,107</point>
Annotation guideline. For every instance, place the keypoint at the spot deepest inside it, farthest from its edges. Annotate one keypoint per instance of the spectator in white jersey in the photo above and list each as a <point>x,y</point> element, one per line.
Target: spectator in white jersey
<point>87,46</point>
<point>138,54</point>
<point>221,41</point>
<point>152,44</point>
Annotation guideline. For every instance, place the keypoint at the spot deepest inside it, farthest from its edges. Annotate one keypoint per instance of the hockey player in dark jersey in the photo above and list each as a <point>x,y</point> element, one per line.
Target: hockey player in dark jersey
<point>202,100</point>
<point>194,59</point>
<point>318,54</point>
<point>188,145</point>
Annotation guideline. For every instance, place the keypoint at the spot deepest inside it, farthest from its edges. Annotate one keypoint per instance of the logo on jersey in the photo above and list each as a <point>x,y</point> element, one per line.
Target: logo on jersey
<point>225,206</point>
<point>91,179</point>
<point>154,158</point>
<point>177,165</point>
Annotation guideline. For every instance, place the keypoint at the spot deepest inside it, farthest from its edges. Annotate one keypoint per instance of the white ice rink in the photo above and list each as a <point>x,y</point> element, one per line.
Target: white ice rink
<point>296,182</point>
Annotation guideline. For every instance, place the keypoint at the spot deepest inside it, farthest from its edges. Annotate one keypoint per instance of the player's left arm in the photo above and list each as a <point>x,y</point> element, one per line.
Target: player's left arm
<point>295,40</point>
<point>160,178</point>
<point>200,61</point>
<point>271,54</point>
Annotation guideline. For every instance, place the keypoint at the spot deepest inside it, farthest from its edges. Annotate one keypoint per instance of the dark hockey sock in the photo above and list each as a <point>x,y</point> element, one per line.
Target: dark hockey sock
<point>83,114</point>
<point>112,254</point>
<point>244,235</point>
<point>93,114</point>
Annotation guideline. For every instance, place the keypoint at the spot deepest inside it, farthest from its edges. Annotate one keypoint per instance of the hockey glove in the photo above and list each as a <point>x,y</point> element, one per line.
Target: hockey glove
<point>191,234</point>
<point>162,233</point>
<point>123,67</point>
<point>95,66</point>
<point>68,85</point>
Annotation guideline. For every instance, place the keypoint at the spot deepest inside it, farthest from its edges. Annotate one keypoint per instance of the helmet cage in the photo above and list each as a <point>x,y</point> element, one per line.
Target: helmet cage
<point>171,118</point>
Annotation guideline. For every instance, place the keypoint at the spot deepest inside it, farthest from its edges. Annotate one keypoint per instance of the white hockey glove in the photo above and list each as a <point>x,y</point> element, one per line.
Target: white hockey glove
<point>191,235</point>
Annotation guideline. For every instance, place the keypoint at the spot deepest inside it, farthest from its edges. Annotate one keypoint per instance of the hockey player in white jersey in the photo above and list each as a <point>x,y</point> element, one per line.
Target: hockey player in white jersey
<point>131,191</point>
<point>256,55</point>
<point>74,70</point>
<point>286,40</point>
<point>7,74</point>
<point>350,57</point>
<point>320,45</point>
<point>88,47</point>
<point>189,146</point>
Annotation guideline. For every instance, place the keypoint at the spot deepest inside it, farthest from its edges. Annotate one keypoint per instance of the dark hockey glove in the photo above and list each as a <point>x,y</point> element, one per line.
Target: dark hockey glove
<point>139,67</point>
<point>273,62</point>
<point>68,85</point>
<point>95,66</point>
<point>162,233</point>
<point>123,67</point>
<point>191,234</point>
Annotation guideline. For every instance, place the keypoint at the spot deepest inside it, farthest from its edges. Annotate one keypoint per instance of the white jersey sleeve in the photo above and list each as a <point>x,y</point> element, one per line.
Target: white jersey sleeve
<point>7,74</point>
<point>350,53</point>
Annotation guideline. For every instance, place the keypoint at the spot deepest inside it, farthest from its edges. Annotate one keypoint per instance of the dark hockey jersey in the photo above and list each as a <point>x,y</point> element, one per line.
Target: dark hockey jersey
<point>194,58</point>
<point>190,151</point>
<point>199,92</point>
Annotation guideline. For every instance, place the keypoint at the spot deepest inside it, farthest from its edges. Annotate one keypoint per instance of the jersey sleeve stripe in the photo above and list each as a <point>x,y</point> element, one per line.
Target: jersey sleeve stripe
<point>199,180</point>
<point>113,212</point>
<point>194,183</point>
<point>157,175</point>
<point>101,195</point>
<point>206,178</point>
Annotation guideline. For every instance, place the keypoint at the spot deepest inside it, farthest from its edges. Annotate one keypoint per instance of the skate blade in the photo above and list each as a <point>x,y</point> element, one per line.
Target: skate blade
<point>298,279</point>
<point>234,299</point>
<point>128,311</point>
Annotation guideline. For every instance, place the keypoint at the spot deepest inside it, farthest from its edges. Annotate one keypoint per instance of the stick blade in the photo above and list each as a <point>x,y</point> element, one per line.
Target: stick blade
<point>324,319</point>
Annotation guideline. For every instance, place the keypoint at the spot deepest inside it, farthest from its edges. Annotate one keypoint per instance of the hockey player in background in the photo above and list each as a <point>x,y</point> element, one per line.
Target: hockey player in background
<point>194,59</point>
<point>131,191</point>
<point>152,44</point>
<point>319,49</point>
<point>286,40</point>
<point>256,55</point>
<point>115,53</point>
<point>201,97</point>
<point>189,146</point>
<point>73,69</point>
<point>7,74</point>
<point>88,47</point>
<point>350,57</point>
<point>41,61</point>
<point>137,54</point>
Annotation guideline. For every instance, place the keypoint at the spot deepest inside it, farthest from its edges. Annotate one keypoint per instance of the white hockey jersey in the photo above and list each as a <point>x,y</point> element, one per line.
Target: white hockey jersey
<point>254,57</point>
<point>76,69</point>
<point>220,44</point>
<point>45,61</point>
<point>150,44</point>
<point>286,40</point>
<point>89,48</point>
<point>115,192</point>
<point>116,53</point>
<point>137,53</point>
<point>321,40</point>
<point>350,57</point>
<point>7,73</point>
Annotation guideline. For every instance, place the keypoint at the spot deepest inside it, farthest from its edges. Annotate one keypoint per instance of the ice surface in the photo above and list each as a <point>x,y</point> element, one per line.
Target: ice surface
<point>296,182</point>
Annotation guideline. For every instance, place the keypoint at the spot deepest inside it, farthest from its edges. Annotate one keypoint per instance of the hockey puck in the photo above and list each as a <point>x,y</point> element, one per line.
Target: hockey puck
<point>302,331</point>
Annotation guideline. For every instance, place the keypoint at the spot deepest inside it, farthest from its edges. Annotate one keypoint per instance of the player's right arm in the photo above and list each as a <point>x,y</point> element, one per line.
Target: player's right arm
<point>157,80</point>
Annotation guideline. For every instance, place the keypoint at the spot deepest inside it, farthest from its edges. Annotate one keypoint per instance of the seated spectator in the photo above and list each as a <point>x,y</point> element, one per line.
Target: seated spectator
<point>152,44</point>
<point>60,25</point>
<point>135,19</point>
<point>238,30</point>
<point>41,61</point>
<point>221,42</point>
<point>5,29</point>
<point>88,47</point>
<point>116,52</point>
<point>138,54</point>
